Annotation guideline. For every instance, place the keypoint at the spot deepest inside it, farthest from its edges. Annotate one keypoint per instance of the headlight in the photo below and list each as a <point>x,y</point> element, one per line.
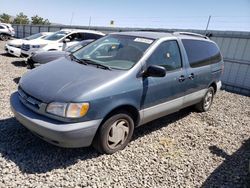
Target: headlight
<point>69,110</point>
<point>36,46</point>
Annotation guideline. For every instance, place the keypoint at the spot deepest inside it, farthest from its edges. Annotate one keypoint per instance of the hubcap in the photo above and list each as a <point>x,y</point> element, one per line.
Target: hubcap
<point>208,99</point>
<point>118,133</point>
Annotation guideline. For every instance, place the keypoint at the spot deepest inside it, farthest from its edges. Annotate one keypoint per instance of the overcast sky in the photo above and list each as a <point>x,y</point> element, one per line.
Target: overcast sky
<point>191,14</point>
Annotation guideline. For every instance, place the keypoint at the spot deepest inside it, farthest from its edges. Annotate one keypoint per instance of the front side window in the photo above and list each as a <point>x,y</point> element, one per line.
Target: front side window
<point>201,53</point>
<point>56,36</point>
<point>115,51</point>
<point>167,55</point>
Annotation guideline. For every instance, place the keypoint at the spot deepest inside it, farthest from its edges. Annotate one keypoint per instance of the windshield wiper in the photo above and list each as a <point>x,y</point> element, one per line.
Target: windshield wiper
<point>74,58</point>
<point>89,61</point>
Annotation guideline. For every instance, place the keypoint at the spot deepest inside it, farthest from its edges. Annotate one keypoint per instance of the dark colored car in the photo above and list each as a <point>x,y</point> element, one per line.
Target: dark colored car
<point>40,58</point>
<point>100,93</point>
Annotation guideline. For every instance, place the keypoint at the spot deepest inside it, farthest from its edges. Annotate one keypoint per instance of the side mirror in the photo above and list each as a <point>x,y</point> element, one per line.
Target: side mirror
<point>155,71</point>
<point>66,40</point>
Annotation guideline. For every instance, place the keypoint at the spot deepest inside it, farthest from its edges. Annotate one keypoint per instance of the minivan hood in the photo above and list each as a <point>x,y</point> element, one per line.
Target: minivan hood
<point>64,80</point>
<point>47,56</point>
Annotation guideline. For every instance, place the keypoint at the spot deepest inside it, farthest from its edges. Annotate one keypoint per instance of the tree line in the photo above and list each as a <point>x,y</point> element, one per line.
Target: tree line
<point>21,18</point>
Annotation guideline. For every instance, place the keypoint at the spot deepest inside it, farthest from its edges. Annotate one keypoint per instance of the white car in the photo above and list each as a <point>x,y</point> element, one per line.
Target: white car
<point>59,40</point>
<point>13,47</point>
<point>6,31</point>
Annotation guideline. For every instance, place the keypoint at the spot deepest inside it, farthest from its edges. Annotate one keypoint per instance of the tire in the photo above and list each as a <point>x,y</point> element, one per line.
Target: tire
<point>4,37</point>
<point>114,134</point>
<point>207,101</point>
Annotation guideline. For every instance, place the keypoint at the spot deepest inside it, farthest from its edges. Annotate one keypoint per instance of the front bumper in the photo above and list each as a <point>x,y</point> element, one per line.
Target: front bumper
<point>13,50</point>
<point>61,134</point>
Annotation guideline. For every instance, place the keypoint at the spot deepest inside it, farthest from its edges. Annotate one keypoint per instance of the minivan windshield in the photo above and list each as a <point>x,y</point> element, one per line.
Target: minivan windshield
<point>115,51</point>
<point>35,36</point>
<point>56,36</point>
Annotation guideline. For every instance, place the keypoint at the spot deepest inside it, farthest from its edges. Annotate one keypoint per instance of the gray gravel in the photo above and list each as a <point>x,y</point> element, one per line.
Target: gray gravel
<point>187,149</point>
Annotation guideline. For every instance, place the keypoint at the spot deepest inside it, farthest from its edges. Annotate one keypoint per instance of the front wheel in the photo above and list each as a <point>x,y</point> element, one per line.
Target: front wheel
<point>207,101</point>
<point>114,134</point>
<point>3,37</point>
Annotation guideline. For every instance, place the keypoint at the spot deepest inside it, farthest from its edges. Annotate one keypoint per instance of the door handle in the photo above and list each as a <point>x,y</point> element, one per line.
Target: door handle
<point>181,78</point>
<point>191,76</point>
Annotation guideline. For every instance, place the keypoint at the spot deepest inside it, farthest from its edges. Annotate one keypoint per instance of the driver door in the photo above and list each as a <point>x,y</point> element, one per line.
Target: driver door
<point>164,95</point>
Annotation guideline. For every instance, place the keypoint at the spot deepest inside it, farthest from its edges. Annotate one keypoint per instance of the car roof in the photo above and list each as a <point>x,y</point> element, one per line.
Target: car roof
<point>145,34</point>
<point>6,24</point>
<point>83,30</point>
<point>157,35</point>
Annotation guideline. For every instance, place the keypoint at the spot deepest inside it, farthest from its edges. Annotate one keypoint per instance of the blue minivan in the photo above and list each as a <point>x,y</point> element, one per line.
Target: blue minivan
<point>100,93</point>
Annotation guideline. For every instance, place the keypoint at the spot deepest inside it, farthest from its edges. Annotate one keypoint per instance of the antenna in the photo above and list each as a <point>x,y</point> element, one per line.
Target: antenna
<point>208,22</point>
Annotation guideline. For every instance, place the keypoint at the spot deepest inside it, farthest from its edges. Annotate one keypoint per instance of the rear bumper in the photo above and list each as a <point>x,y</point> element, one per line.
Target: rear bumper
<point>55,132</point>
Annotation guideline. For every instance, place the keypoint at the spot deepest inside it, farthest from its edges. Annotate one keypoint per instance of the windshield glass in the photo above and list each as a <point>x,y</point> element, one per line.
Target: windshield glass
<point>56,36</point>
<point>115,51</point>
<point>74,48</point>
<point>35,36</point>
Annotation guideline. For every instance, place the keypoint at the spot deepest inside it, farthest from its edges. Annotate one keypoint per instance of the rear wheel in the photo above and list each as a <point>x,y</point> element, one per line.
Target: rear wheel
<point>114,134</point>
<point>4,37</point>
<point>207,101</point>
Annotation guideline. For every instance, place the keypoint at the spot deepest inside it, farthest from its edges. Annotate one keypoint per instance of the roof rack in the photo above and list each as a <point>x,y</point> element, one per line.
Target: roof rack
<point>191,34</point>
<point>153,30</point>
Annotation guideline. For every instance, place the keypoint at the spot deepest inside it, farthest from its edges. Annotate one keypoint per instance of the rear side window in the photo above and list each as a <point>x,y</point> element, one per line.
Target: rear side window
<point>201,53</point>
<point>1,27</point>
<point>91,36</point>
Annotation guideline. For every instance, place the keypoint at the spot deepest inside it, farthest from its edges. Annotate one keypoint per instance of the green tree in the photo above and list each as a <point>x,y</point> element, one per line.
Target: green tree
<point>5,18</point>
<point>37,20</point>
<point>21,19</point>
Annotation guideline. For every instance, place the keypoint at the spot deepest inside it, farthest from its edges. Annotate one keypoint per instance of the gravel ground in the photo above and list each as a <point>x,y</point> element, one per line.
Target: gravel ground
<point>186,149</point>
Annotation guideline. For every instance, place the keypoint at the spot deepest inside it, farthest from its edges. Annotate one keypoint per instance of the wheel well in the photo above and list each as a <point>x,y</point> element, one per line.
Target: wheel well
<point>214,86</point>
<point>133,112</point>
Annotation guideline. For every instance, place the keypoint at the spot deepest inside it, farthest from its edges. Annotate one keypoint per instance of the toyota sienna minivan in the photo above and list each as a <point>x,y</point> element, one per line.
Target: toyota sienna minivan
<point>101,93</point>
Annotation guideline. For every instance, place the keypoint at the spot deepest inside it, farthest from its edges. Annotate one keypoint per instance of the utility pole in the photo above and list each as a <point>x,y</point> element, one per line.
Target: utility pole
<point>89,21</point>
<point>208,22</point>
<point>72,16</point>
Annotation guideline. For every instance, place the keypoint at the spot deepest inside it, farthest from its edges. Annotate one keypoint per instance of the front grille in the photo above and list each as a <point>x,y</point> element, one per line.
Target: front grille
<point>25,47</point>
<point>28,100</point>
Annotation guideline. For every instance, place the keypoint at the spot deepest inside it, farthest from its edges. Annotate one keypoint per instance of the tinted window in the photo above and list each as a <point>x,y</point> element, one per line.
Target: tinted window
<point>1,27</point>
<point>201,53</point>
<point>167,54</point>
<point>91,36</point>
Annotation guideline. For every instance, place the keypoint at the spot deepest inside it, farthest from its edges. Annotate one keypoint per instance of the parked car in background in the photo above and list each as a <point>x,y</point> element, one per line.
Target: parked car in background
<point>40,58</point>
<point>13,47</point>
<point>59,40</point>
<point>100,93</point>
<point>6,31</point>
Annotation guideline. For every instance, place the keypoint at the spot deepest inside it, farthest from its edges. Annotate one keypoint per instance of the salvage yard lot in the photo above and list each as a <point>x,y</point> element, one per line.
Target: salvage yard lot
<point>186,149</point>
